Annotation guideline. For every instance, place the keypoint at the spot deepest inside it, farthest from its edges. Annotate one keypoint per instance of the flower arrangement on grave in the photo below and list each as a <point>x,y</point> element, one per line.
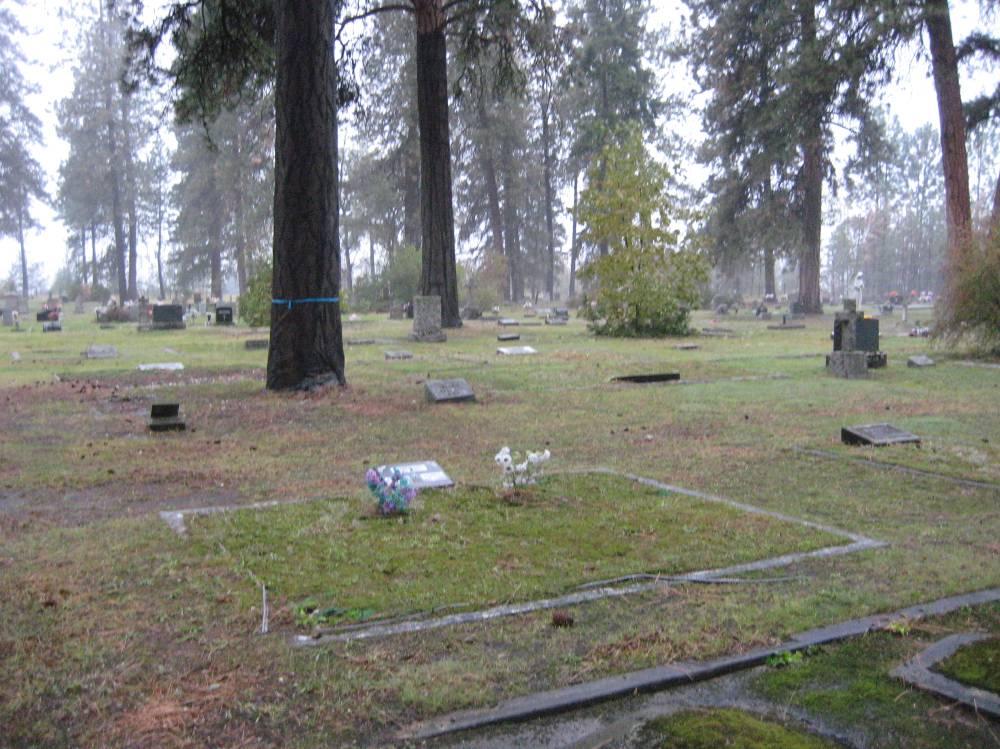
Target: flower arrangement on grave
<point>393,491</point>
<point>517,472</point>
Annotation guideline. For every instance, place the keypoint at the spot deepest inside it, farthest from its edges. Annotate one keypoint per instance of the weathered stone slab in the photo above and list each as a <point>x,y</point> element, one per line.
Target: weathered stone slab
<point>851,365</point>
<point>687,347</point>
<point>360,341</point>
<point>920,360</point>
<point>165,417</point>
<point>397,355</point>
<point>507,321</point>
<point>643,379</point>
<point>516,350</point>
<point>424,474</point>
<point>427,320</point>
<point>555,321</point>
<point>448,391</point>
<point>509,337</point>
<point>878,435</point>
<point>254,344</point>
<point>787,326</point>
<point>99,351</point>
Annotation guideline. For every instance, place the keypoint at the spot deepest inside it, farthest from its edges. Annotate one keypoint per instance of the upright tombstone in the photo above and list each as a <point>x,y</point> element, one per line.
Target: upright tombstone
<point>223,314</point>
<point>427,320</point>
<point>165,417</point>
<point>168,317</point>
<point>855,343</point>
<point>10,306</point>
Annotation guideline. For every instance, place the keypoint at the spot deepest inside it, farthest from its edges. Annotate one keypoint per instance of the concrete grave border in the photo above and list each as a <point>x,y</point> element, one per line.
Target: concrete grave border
<point>718,575</point>
<point>551,702</point>
<point>917,673</point>
<point>828,455</point>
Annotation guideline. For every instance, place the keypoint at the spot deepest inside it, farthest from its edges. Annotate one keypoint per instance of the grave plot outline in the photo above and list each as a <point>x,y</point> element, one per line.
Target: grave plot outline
<point>588,592</point>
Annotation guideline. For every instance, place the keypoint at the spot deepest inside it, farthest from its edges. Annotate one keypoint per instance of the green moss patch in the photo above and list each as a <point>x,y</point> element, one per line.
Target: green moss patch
<point>710,729</point>
<point>470,547</point>
<point>976,665</point>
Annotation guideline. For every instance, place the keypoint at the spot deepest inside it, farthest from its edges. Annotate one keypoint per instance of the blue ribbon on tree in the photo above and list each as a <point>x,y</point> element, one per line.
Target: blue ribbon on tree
<point>308,300</point>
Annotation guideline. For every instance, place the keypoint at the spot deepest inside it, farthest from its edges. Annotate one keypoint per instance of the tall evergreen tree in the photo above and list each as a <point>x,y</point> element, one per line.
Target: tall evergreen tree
<point>21,178</point>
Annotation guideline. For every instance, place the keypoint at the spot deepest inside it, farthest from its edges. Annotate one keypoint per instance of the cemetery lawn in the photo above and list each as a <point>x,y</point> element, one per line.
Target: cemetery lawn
<point>471,547</point>
<point>709,729</point>
<point>114,630</point>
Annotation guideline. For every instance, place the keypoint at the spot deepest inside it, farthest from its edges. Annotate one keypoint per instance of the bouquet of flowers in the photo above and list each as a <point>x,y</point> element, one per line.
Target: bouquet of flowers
<point>393,491</point>
<point>525,472</point>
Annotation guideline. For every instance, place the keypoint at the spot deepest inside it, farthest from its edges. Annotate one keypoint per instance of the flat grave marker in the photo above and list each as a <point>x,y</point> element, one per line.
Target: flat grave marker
<point>509,337</point>
<point>878,435</point>
<point>360,342</point>
<point>787,326</point>
<point>645,379</point>
<point>920,360</point>
<point>516,351</point>
<point>254,344</point>
<point>170,366</point>
<point>448,391</point>
<point>424,474</point>
<point>15,356</point>
<point>99,351</point>
<point>556,321</point>
<point>507,321</point>
<point>397,355</point>
<point>687,347</point>
<point>165,417</point>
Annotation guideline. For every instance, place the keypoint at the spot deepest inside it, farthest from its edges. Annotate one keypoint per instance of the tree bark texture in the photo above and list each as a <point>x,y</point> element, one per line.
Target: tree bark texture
<point>438,275</point>
<point>958,207</point>
<point>812,180</point>
<point>411,188</point>
<point>306,339</point>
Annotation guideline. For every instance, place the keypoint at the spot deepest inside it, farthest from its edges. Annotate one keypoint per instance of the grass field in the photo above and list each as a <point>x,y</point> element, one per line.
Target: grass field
<point>115,630</point>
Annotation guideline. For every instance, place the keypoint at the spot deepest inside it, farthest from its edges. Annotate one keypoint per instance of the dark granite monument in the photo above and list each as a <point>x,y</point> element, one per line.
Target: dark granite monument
<point>878,435</point>
<point>168,317</point>
<point>223,315</point>
<point>644,379</point>
<point>165,417</point>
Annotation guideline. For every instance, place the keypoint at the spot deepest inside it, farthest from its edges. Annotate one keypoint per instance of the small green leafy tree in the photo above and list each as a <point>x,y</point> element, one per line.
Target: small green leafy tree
<point>970,309</point>
<point>255,305</point>
<point>647,283</point>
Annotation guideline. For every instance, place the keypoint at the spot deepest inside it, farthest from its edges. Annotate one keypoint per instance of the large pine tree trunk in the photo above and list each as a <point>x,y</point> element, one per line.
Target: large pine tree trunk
<point>550,232</point>
<point>131,188</point>
<point>306,339</point>
<point>24,254</point>
<point>490,179</point>
<point>574,247</point>
<point>438,275</point>
<point>93,251</point>
<point>769,272</point>
<point>159,244</point>
<point>949,99</point>
<point>812,179</point>
<point>511,220</point>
